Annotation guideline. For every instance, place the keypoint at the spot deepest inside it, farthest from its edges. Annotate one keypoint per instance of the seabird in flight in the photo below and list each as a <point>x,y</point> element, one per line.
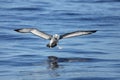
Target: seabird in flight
<point>54,39</point>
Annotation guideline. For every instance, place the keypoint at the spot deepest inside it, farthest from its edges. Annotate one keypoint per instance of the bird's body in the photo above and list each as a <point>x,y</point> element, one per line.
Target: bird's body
<point>53,42</point>
<point>55,38</point>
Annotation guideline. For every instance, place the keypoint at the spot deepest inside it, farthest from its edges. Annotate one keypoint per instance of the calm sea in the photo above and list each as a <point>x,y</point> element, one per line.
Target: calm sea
<point>89,57</point>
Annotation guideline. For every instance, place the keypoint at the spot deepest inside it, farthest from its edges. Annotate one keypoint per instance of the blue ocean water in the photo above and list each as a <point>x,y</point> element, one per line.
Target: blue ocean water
<point>89,57</point>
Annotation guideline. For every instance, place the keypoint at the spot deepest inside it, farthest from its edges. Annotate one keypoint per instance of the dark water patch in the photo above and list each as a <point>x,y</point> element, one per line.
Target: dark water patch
<point>6,15</point>
<point>77,51</point>
<point>57,62</point>
<point>6,36</point>
<point>18,61</point>
<point>112,44</point>
<point>19,64</point>
<point>26,9</point>
<point>106,18</point>
<point>81,1</point>
<point>115,8</point>
<point>111,18</point>
<point>16,18</point>
<point>6,1</point>
<point>41,2</point>
<point>7,21</point>
<point>107,1</point>
<point>90,52</point>
<point>4,71</point>
<point>115,65</point>
<point>23,64</point>
<point>39,47</point>
<point>89,19</point>
<point>66,13</point>
<point>93,1</point>
<point>2,53</point>
<point>105,36</point>
<point>4,28</point>
<point>94,78</point>
<point>5,62</point>
<point>65,19</point>
<point>95,42</point>
<point>71,14</point>
<point>15,37</point>
<point>11,17</point>
<point>22,25</point>
<point>78,59</point>
<point>27,18</point>
<point>110,30</point>
<point>105,24</point>
<point>75,44</point>
<point>28,56</point>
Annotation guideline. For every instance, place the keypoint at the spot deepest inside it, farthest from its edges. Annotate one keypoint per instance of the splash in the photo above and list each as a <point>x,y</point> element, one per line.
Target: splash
<point>59,47</point>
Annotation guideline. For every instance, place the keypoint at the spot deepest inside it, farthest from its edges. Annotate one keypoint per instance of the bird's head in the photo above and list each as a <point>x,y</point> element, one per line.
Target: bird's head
<point>56,36</point>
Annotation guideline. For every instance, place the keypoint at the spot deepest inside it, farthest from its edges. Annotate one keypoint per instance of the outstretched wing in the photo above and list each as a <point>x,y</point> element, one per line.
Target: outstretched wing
<point>77,33</point>
<point>34,31</point>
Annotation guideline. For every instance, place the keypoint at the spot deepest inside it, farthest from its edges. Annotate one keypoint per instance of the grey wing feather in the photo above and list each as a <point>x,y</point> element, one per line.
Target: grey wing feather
<point>34,31</point>
<point>77,33</point>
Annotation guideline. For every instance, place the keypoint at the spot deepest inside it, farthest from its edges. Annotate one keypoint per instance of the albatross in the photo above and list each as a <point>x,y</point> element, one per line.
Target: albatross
<point>54,39</point>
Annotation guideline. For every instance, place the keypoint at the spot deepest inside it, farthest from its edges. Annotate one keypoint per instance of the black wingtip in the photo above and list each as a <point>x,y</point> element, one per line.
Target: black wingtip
<point>17,30</point>
<point>94,31</point>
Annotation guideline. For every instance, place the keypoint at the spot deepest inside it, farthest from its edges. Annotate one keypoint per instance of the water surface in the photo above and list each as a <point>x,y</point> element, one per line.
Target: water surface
<point>90,57</point>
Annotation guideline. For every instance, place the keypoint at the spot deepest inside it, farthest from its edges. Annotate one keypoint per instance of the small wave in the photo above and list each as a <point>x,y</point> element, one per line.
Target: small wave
<point>27,9</point>
<point>93,1</point>
<point>95,78</point>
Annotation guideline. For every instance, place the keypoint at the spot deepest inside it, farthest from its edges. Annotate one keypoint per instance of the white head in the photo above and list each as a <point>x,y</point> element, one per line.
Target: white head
<point>56,36</point>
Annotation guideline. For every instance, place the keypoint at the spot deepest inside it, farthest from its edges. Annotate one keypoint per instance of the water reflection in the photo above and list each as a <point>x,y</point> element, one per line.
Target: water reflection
<point>54,66</point>
<point>53,62</point>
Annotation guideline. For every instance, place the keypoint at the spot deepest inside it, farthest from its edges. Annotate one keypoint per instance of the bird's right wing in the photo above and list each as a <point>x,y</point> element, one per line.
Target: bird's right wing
<point>34,31</point>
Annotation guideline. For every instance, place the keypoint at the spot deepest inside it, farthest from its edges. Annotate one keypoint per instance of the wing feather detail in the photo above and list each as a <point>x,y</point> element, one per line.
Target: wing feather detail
<point>35,32</point>
<point>77,33</point>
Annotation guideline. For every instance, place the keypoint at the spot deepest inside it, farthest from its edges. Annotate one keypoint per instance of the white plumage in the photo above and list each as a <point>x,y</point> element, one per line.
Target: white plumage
<point>55,38</point>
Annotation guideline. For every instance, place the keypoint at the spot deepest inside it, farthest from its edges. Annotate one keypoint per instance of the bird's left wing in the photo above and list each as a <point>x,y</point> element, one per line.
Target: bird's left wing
<point>77,33</point>
<point>34,31</point>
